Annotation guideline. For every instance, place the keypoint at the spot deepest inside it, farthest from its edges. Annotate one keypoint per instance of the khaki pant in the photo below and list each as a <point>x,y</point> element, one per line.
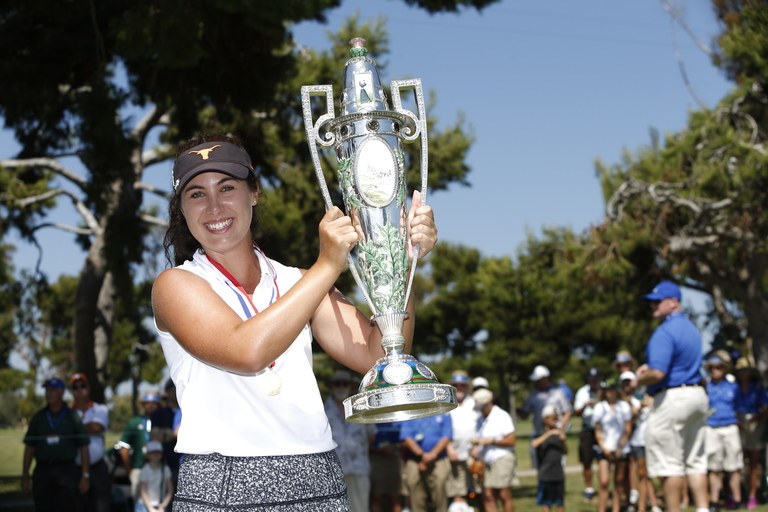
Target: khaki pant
<point>428,485</point>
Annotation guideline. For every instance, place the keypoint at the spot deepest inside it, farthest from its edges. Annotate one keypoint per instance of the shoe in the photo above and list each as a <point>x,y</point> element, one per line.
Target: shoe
<point>656,509</point>
<point>732,505</point>
<point>458,506</point>
<point>752,503</point>
<point>714,507</point>
<point>589,494</point>
<point>634,495</point>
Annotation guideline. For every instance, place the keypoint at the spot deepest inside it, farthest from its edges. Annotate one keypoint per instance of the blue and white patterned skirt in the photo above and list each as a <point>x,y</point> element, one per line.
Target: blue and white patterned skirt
<point>292,483</point>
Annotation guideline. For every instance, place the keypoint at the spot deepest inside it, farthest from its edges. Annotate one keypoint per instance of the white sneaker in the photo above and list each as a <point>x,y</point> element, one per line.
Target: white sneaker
<point>656,509</point>
<point>459,506</point>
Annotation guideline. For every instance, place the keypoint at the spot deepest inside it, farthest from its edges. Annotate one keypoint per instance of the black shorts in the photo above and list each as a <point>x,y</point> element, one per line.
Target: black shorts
<point>587,451</point>
<point>550,493</point>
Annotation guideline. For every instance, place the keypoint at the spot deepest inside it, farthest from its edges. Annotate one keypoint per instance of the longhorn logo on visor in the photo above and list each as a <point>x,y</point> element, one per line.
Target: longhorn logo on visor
<point>204,153</point>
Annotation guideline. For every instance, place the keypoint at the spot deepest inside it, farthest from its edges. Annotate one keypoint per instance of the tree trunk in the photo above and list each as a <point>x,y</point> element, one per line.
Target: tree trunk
<point>87,315</point>
<point>756,310</point>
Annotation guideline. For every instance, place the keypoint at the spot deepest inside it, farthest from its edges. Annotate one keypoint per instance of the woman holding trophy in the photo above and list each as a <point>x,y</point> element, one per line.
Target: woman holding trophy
<point>236,328</point>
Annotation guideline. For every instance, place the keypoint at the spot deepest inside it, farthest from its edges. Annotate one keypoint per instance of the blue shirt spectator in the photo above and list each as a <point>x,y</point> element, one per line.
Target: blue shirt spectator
<point>675,349</point>
<point>722,399</point>
<point>752,400</point>
<point>387,434</point>
<point>427,432</point>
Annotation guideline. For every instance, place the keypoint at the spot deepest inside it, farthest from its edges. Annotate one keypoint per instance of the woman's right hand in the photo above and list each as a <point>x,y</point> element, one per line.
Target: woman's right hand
<point>337,238</point>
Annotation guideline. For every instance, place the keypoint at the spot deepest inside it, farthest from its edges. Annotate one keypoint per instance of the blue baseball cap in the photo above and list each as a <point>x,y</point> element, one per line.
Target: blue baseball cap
<point>664,290</point>
<point>460,377</point>
<point>54,382</point>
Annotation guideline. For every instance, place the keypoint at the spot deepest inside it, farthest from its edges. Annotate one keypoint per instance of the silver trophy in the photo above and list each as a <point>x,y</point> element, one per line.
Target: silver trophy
<point>371,178</point>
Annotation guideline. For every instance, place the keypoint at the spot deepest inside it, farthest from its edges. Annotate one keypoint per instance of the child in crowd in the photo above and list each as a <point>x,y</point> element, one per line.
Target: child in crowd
<point>155,483</point>
<point>643,493</point>
<point>613,427</point>
<point>550,448</point>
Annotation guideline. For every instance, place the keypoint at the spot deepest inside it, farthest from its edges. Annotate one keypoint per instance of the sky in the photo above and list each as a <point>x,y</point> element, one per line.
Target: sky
<point>546,88</point>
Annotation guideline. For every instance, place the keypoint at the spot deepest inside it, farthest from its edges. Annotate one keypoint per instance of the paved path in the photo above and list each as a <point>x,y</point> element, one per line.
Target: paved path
<point>532,472</point>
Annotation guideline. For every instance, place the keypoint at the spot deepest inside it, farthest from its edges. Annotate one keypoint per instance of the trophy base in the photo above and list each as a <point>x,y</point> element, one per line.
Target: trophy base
<point>399,388</point>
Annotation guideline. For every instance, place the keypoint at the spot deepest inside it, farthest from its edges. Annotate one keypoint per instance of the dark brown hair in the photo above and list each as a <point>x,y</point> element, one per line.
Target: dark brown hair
<point>179,244</point>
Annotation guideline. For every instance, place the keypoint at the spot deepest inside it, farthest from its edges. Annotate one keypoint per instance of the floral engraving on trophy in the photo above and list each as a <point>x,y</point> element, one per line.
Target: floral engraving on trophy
<point>383,263</point>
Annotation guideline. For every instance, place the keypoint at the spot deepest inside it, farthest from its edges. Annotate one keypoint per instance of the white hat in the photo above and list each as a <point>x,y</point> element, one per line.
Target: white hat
<point>482,398</point>
<point>154,446</point>
<point>628,375</point>
<point>480,382</point>
<point>549,410</point>
<point>539,373</point>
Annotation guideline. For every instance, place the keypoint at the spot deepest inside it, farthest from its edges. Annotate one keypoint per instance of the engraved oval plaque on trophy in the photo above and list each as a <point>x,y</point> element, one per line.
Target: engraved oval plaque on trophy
<point>375,171</point>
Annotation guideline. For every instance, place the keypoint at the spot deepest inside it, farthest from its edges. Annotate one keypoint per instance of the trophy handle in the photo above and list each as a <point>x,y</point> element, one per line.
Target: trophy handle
<point>419,129</point>
<point>327,139</point>
<point>420,123</point>
<point>314,131</point>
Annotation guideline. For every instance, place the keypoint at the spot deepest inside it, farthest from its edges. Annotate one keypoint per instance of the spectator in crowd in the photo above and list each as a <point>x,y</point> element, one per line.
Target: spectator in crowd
<point>54,437</point>
<point>387,467</point>
<point>426,460</point>
<point>752,412</point>
<point>352,442</point>
<point>95,418</point>
<point>163,429</point>
<point>723,441</point>
<point>550,449</point>
<point>583,405</point>
<point>613,428</point>
<point>643,491</point>
<point>464,422</point>
<point>155,481</point>
<point>674,440</point>
<point>480,383</point>
<point>624,362</point>
<point>136,434</point>
<point>495,446</point>
<point>566,389</point>
<point>544,393</point>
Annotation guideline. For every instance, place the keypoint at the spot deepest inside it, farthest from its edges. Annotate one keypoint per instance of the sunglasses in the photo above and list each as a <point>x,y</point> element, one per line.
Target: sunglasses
<point>340,383</point>
<point>79,386</point>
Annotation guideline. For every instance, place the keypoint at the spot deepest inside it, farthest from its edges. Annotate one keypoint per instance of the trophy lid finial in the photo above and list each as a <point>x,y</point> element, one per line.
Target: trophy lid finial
<point>358,47</point>
<point>362,86</point>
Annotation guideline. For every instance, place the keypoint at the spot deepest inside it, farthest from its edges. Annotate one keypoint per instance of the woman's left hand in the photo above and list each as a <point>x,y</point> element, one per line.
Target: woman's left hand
<point>421,227</point>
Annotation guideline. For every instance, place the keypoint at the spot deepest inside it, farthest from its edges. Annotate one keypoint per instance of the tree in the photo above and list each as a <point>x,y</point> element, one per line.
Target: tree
<point>566,297</point>
<point>101,82</point>
<point>699,200</point>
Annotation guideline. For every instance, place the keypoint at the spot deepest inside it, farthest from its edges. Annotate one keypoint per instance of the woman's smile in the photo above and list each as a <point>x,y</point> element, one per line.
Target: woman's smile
<point>219,225</point>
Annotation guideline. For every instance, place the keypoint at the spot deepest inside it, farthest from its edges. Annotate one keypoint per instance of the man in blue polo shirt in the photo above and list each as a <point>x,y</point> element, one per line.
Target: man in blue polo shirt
<point>426,460</point>
<point>676,425</point>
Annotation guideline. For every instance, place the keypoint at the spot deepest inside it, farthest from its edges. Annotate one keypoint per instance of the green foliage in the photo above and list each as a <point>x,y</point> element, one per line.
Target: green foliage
<point>120,412</point>
<point>566,300</point>
<point>743,44</point>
